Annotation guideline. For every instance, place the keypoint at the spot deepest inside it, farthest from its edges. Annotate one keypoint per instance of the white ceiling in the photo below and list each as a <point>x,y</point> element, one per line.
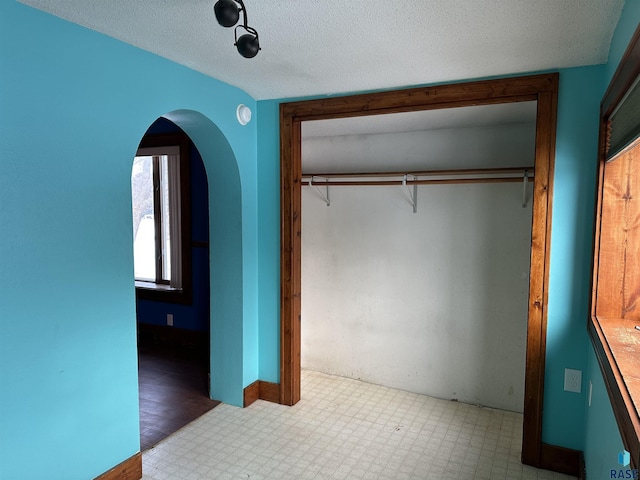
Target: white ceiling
<point>317,47</point>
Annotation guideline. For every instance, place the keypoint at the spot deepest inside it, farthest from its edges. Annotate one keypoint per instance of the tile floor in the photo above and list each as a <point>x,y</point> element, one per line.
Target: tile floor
<point>174,391</point>
<point>346,429</point>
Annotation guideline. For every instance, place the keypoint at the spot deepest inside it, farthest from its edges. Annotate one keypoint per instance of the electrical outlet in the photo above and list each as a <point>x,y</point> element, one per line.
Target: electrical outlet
<point>170,319</point>
<point>572,380</point>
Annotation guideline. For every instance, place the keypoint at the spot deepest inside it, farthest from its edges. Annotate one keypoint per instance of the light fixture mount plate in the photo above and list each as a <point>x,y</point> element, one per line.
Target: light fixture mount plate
<point>243,114</point>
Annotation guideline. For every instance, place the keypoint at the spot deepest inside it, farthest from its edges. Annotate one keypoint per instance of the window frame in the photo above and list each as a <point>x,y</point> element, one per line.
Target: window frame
<point>162,292</point>
<point>612,360</point>
<point>158,182</point>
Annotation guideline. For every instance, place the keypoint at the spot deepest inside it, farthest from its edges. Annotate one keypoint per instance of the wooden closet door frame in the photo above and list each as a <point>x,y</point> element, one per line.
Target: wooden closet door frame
<point>540,88</point>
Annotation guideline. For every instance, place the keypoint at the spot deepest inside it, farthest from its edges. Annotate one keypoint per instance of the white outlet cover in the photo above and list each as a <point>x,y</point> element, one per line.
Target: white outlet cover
<point>572,380</point>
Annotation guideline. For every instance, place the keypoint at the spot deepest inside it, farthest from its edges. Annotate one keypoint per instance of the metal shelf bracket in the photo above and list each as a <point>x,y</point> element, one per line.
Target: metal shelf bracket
<point>414,195</point>
<point>325,196</point>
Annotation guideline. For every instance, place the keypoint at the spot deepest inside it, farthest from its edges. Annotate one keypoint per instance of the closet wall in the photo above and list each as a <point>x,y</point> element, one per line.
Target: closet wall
<point>433,302</point>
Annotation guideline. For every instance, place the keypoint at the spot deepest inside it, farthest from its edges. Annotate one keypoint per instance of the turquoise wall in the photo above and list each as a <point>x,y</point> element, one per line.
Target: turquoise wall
<point>269,248</point>
<point>569,271</point>
<point>573,197</point>
<point>74,105</point>
<point>602,440</point>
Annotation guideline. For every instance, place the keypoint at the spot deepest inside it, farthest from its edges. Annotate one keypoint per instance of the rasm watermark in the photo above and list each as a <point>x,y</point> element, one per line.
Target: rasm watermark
<point>624,459</point>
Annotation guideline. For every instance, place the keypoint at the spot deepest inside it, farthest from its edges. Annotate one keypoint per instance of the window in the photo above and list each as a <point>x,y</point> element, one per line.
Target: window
<point>615,302</point>
<point>160,204</point>
<point>155,212</point>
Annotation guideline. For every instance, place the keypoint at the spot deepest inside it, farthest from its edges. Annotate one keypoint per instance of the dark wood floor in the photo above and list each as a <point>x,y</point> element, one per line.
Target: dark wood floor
<point>173,392</point>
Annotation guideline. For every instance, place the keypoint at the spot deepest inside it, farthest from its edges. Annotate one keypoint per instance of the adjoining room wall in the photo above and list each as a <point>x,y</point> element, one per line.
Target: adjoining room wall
<point>195,315</point>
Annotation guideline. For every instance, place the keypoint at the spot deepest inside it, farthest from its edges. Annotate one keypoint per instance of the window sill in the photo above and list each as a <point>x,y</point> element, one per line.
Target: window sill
<point>617,347</point>
<point>158,292</point>
<point>158,287</point>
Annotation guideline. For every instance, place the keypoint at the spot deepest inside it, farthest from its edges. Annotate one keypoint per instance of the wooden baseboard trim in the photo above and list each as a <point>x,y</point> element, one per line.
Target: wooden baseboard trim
<point>261,390</point>
<point>251,393</point>
<point>562,460</point>
<point>270,391</point>
<point>130,469</point>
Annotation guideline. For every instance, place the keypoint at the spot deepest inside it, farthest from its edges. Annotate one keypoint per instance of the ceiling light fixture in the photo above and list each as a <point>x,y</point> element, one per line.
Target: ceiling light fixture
<point>227,14</point>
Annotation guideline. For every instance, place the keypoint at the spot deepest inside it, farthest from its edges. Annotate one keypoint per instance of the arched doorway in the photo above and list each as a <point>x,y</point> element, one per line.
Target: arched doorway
<point>225,253</point>
<point>216,246</point>
<point>171,251</point>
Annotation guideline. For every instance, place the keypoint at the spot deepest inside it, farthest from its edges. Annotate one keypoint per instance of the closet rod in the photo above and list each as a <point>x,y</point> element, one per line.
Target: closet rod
<point>419,182</point>
<point>469,171</point>
<point>500,175</point>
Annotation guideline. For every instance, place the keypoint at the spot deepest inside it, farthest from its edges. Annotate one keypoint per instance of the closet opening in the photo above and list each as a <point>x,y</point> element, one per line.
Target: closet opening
<point>410,186</point>
<point>416,242</point>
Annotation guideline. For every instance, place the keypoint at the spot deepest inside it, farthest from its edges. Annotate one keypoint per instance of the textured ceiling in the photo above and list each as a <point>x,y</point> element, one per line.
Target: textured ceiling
<point>314,47</point>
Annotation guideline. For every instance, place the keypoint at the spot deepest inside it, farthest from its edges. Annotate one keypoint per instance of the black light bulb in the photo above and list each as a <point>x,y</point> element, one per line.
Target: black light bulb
<point>248,45</point>
<point>227,12</point>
